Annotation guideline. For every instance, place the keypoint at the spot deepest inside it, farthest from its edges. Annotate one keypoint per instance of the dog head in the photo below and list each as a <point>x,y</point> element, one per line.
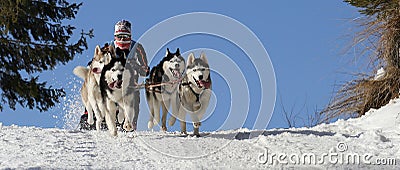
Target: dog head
<point>112,73</point>
<point>173,65</point>
<point>102,56</point>
<point>198,71</point>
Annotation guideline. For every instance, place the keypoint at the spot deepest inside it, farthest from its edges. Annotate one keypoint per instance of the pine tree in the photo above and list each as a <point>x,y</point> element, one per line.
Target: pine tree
<point>32,40</point>
<point>381,35</point>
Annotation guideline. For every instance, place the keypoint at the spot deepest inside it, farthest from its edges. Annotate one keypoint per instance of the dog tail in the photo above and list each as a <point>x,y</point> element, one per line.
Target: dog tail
<point>81,72</point>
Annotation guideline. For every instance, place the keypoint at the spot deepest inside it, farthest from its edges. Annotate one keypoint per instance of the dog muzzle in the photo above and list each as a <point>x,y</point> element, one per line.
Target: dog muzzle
<point>176,73</point>
<point>203,83</point>
<point>115,84</point>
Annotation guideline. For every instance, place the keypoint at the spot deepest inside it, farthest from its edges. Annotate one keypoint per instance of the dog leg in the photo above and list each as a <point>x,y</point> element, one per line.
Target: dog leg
<point>196,123</point>
<point>172,120</point>
<point>93,107</point>
<point>196,127</point>
<point>86,103</point>
<point>89,110</point>
<point>111,118</point>
<point>98,123</point>
<point>121,115</point>
<point>165,106</point>
<point>128,111</point>
<point>204,100</point>
<point>183,127</point>
<point>157,105</point>
<point>181,117</point>
<point>150,124</point>
<point>150,103</point>
<point>198,115</point>
<point>100,116</point>
<point>175,109</point>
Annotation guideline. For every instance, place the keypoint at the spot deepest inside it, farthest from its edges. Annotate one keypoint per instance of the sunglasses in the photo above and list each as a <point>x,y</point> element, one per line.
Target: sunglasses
<point>122,36</point>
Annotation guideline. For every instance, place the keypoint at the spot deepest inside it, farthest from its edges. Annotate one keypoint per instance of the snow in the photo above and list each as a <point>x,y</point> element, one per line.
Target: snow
<point>357,143</point>
<point>380,73</point>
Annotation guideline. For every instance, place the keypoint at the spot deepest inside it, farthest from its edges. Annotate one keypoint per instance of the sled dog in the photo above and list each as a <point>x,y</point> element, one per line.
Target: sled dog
<point>194,92</point>
<point>169,73</point>
<point>111,92</point>
<point>90,91</point>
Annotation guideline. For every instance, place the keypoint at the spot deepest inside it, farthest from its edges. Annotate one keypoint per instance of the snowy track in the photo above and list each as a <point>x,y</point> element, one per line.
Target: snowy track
<point>376,135</point>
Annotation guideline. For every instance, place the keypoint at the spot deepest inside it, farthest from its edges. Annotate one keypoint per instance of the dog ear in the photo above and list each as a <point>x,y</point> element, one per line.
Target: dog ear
<point>111,49</point>
<point>97,51</point>
<point>190,59</point>
<point>167,52</point>
<point>177,51</point>
<point>113,54</point>
<point>203,57</point>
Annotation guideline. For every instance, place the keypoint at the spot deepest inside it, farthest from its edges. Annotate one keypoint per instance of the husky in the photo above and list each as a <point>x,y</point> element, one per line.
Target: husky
<point>168,73</point>
<point>194,92</point>
<point>90,91</point>
<point>111,92</point>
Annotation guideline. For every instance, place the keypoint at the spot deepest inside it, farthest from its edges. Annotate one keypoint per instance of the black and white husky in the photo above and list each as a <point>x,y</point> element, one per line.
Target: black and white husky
<point>168,73</point>
<point>111,92</point>
<point>194,92</point>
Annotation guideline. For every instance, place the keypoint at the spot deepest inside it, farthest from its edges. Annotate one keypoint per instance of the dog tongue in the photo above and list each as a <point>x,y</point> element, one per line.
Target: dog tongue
<point>111,85</point>
<point>176,73</point>
<point>204,84</point>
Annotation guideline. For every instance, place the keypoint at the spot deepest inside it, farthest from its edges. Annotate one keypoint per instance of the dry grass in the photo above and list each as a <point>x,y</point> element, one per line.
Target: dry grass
<point>382,34</point>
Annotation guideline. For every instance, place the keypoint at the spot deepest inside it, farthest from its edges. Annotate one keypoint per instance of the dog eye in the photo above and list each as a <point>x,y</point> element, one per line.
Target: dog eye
<point>113,69</point>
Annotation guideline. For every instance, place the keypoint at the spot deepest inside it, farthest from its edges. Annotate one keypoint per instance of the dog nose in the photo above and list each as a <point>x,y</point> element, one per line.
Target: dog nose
<point>201,77</point>
<point>176,65</point>
<point>119,77</point>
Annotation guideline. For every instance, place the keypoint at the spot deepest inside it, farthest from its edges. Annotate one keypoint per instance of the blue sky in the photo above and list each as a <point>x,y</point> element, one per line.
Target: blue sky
<point>305,41</point>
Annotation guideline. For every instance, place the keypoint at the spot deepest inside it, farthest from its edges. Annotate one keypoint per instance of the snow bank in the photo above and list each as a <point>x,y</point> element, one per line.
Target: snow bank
<point>386,118</point>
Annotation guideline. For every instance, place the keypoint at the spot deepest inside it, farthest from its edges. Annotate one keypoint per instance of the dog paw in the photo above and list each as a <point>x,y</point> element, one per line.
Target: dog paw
<point>90,121</point>
<point>127,127</point>
<point>150,124</point>
<point>156,121</point>
<point>113,133</point>
<point>196,124</point>
<point>171,121</point>
<point>164,128</point>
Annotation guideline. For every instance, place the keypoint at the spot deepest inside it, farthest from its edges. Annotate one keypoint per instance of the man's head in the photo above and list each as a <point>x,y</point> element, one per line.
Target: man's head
<point>122,35</point>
